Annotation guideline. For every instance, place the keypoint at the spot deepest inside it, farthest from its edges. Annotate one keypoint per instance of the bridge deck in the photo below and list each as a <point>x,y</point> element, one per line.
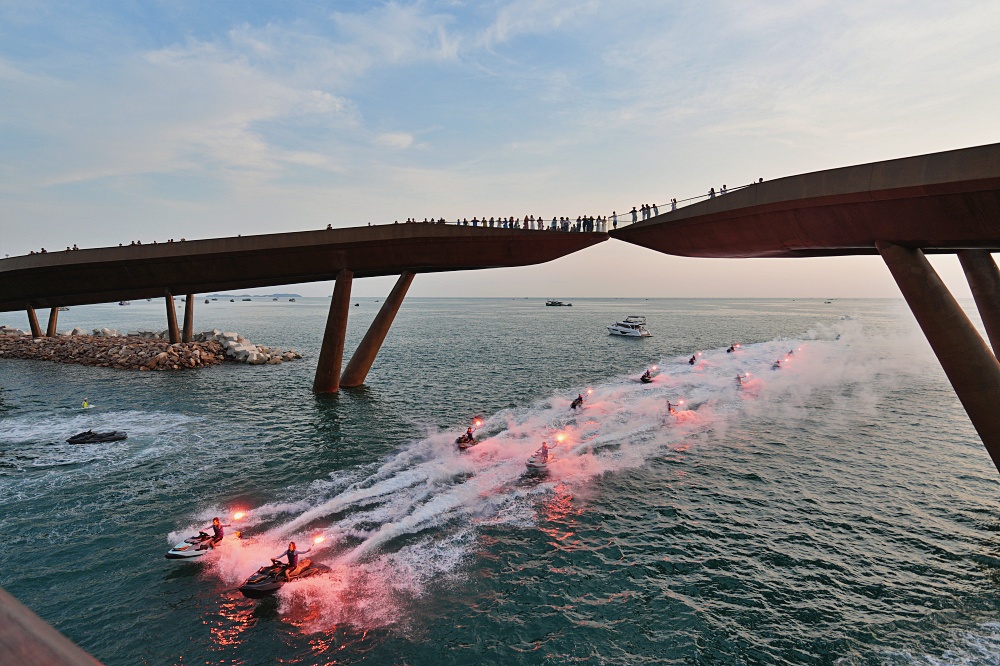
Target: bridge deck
<point>940,202</point>
<point>132,272</point>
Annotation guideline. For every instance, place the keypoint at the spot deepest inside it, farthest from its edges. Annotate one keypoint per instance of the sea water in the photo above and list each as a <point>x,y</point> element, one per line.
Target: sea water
<point>837,510</point>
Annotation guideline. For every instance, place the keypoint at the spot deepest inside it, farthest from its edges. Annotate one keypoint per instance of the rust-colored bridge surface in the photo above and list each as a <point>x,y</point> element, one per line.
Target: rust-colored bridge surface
<point>132,272</point>
<point>941,202</point>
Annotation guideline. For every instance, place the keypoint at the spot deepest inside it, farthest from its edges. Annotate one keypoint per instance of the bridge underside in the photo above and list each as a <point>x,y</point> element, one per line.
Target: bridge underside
<point>899,209</point>
<point>146,271</point>
<point>106,275</point>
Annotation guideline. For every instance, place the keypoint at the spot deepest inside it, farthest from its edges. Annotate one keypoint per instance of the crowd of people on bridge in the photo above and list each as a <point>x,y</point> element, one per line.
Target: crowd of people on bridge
<point>529,222</point>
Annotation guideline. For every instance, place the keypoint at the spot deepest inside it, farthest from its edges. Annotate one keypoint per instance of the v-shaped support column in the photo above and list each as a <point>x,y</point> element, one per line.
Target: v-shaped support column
<point>971,367</point>
<point>984,279</point>
<point>331,355</point>
<point>364,355</point>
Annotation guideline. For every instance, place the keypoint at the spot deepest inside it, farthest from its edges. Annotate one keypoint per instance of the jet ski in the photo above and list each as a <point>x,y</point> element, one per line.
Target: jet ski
<point>195,546</point>
<point>538,461</point>
<point>465,442</point>
<point>91,437</point>
<point>776,365</point>
<point>269,579</point>
<point>577,402</point>
<point>646,379</point>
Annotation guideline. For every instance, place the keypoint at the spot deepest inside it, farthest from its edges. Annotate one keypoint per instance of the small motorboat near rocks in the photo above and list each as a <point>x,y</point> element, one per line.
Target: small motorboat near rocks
<point>91,437</point>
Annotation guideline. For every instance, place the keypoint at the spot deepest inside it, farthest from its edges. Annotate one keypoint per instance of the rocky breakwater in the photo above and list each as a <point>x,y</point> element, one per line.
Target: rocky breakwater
<point>239,349</point>
<point>141,350</point>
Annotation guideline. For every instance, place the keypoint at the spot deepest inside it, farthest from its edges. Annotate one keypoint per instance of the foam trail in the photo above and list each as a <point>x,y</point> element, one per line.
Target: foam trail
<point>415,516</point>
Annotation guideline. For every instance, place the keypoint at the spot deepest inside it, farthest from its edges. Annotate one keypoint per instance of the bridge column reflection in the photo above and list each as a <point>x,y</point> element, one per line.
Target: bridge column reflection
<point>984,279</point>
<point>331,354</point>
<point>971,367</point>
<point>36,330</point>
<point>364,355</point>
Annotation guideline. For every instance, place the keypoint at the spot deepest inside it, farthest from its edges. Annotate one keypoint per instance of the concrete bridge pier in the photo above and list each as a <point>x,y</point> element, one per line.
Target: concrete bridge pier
<point>984,279</point>
<point>364,355</point>
<point>175,335</point>
<point>53,322</point>
<point>36,330</point>
<point>972,369</point>
<point>331,354</point>
<point>188,334</point>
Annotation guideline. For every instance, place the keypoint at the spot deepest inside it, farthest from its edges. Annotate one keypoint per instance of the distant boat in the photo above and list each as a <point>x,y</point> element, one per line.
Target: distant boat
<point>63,309</point>
<point>232,300</point>
<point>558,304</point>
<point>124,302</point>
<point>215,299</point>
<point>206,300</point>
<point>247,299</point>
<point>291,300</point>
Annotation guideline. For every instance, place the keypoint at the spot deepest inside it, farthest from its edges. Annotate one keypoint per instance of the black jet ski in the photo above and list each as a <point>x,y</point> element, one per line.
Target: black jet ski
<point>646,379</point>
<point>269,579</point>
<point>91,437</point>
<point>465,442</point>
<point>577,402</point>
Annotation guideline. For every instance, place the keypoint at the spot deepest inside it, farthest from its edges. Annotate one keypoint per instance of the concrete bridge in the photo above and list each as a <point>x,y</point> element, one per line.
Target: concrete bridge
<point>900,209</point>
<point>132,272</point>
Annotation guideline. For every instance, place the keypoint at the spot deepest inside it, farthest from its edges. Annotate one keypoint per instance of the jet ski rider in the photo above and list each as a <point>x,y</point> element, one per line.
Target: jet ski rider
<point>293,560</point>
<point>646,376</point>
<point>219,532</point>
<point>544,452</point>
<point>468,434</point>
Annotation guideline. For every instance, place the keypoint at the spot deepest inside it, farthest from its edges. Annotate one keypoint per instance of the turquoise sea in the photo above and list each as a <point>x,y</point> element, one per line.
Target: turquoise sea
<point>840,510</point>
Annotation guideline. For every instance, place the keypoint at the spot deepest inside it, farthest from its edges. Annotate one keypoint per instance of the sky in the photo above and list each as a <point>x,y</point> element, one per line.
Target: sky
<point>155,120</point>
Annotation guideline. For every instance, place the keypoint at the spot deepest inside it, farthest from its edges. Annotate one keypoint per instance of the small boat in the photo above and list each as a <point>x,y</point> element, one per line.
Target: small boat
<point>124,302</point>
<point>232,300</point>
<point>247,299</point>
<point>632,326</point>
<point>215,299</point>
<point>206,300</point>
<point>269,579</point>
<point>63,309</point>
<point>274,299</point>
<point>558,304</point>
<point>91,437</point>
<point>291,300</point>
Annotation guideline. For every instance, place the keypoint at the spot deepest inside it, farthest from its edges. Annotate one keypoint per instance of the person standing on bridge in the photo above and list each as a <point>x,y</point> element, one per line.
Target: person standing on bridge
<point>635,216</point>
<point>614,219</point>
<point>656,211</point>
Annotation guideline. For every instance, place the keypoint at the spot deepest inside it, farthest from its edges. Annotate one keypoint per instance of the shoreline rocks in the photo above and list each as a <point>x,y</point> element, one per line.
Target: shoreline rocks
<point>108,348</point>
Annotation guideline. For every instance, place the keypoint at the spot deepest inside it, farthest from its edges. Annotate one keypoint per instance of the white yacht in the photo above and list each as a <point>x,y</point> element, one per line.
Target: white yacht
<point>632,326</point>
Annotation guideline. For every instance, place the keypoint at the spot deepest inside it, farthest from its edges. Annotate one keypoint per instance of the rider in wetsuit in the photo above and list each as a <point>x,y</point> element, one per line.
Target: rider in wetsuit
<point>694,357</point>
<point>293,560</point>
<point>647,376</point>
